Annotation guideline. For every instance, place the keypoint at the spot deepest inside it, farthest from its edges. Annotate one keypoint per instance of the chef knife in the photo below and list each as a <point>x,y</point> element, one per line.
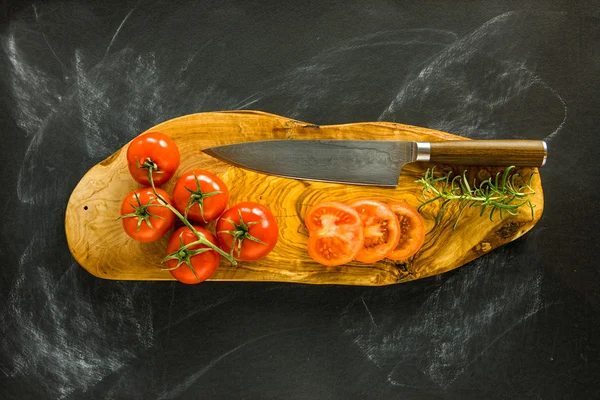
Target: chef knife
<point>372,162</point>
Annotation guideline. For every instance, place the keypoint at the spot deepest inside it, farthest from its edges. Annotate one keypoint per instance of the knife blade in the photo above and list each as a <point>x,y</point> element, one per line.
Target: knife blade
<point>372,162</point>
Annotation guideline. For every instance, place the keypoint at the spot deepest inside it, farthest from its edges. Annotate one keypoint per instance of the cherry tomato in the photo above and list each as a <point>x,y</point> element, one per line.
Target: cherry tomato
<point>381,230</point>
<point>250,229</point>
<point>143,217</point>
<point>200,195</point>
<point>153,150</point>
<point>412,227</point>
<point>335,233</point>
<point>195,265</point>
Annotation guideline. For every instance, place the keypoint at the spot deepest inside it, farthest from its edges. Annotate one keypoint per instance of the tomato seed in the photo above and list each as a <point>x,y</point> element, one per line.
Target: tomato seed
<point>327,252</point>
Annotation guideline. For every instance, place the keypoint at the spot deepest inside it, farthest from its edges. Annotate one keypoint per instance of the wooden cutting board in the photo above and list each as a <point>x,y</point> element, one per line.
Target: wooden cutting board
<point>99,244</point>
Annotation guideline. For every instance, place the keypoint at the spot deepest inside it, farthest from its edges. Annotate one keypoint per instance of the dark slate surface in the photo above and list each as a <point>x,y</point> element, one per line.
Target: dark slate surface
<point>80,79</point>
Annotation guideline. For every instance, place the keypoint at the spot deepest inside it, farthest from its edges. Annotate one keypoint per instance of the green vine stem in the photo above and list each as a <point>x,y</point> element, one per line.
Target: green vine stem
<point>240,232</point>
<point>197,197</point>
<point>141,212</point>
<point>149,164</point>
<point>201,239</point>
<point>501,194</point>
<point>184,255</point>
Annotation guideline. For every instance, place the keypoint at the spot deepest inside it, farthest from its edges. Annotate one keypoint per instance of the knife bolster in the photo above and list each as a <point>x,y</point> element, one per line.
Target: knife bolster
<point>421,151</point>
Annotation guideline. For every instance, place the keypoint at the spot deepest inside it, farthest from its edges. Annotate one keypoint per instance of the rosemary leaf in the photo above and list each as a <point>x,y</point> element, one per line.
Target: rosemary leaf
<point>502,194</point>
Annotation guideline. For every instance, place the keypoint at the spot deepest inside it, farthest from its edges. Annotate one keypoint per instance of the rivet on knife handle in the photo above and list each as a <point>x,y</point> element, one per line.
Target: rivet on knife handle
<point>524,153</point>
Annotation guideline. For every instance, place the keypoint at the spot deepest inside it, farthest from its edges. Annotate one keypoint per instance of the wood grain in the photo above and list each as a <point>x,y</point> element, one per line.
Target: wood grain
<point>99,245</point>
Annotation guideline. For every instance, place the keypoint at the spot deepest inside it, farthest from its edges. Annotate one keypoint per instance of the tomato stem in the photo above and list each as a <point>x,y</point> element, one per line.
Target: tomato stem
<point>141,212</point>
<point>201,239</point>
<point>240,232</point>
<point>197,197</point>
<point>149,164</point>
<point>184,255</point>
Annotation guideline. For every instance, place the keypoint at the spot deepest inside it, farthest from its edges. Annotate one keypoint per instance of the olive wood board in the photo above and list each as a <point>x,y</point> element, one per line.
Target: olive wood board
<point>99,244</point>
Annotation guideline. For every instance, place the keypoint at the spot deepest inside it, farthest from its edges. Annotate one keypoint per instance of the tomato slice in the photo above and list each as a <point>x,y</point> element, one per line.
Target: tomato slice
<point>336,233</point>
<point>412,227</point>
<point>381,229</point>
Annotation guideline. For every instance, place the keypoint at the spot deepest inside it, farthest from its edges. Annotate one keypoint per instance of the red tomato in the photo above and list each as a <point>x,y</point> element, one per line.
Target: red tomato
<point>200,195</point>
<point>412,227</point>
<point>381,230</point>
<point>191,265</point>
<point>250,229</point>
<point>336,233</point>
<point>143,217</point>
<point>152,150</point>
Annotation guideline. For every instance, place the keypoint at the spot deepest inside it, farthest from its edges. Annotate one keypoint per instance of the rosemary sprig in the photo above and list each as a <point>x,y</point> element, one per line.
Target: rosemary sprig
<point>501,194</point>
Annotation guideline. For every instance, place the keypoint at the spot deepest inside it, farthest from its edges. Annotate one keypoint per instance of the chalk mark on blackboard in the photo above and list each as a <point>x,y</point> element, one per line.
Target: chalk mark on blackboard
<point>564,104</point>
<point>367,308</point>
<point>71,336</point>
<point>502,334</point>
<point>469,82</point>
<point>179,389</point>
<point>407,39</point>
<point>29,116</point>
<point>338,75</point>
<point>197,310</point>
<point>119,28</point>
<point>70,268</point>
<point>245,103</point>
<point>171,302</point>
<point>7,203</point>
<point>193,56</point>
<point>37,19</point>
<point>435,338</point>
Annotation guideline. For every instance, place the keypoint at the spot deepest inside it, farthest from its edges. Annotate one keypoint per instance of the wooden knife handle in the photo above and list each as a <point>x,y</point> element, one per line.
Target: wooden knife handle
<point>523,153</point>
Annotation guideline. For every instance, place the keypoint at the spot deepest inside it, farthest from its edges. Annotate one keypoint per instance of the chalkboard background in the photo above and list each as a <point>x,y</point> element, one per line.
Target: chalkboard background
<point>80,79</point>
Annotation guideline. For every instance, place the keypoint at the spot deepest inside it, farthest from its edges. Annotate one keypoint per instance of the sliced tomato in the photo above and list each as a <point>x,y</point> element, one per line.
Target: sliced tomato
<point>412,231</point>
<point>381,230</point>
<point>336,233</point>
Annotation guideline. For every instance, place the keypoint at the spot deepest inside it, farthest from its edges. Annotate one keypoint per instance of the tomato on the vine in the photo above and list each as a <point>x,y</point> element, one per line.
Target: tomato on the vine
<point>145,218</point>
<point>193,264</point>
<point>200,195</point>
<point>248,231</point>
<point>381,230</point>
<point>412,227</point>
<point>335,233</point>
<point>156,151</point>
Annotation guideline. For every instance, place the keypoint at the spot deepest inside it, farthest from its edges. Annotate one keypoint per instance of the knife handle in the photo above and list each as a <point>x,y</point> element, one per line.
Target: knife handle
<point>523,153</point>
